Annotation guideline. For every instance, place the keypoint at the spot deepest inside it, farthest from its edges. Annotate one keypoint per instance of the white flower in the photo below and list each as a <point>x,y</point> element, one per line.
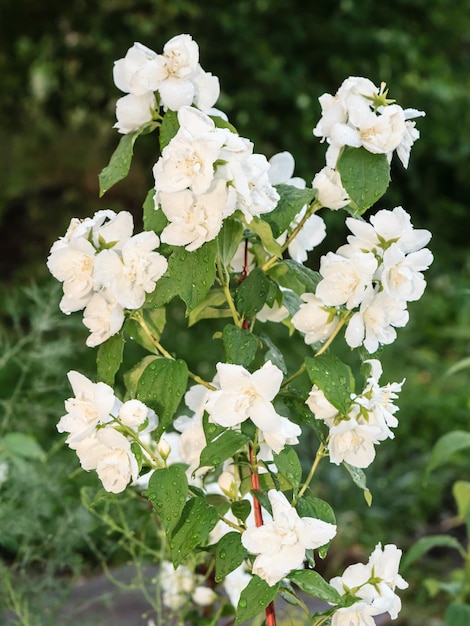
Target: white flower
<point>373,324</point>
<point>72,263</point>
<point>207,90</point>
<point>401,275</point>
<point>118,466</point>
<point>92,405</point>
<point>330,191</point>
<point>353,442</point>
<point>204,596</point>
<point>314,319</point>
<point>312,233</point>
<point>134,413</point>
<point>177,585</point>
<point>320,406</point>
<point>188,160</point>
<point>286,433</point>
<point>103,316</point>
<point>410,136</point>
<point>243,395</point>
<point>281,170</point>
<point>387,227</point>
<point>345,279</point>
<point>281,543</point>
<point>133,111</point>
<point>255,193</point>
<point>235,582</point>
<point>374,583</point>
<point>194,220</point>
<point>140,71</point>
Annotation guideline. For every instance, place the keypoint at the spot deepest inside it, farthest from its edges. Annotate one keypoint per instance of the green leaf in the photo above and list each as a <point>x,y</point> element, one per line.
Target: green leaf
<point>168,129</point>
<point>211,430</point>
<point>251,294</point>
<point>228,239</point>
<point>197,520</point>
<point>165,290</point>
<point>109,358</point>
<point>222,448</point>
<point>161,386</point>
<point>220,122</point>
<point>193,273</point>
<point>291,202</point>
<point>240,346</point>
<point>308,506</point>
<point>461,493</point>
<point>167,491</point>
<point>457,614</point>
<point>334,378</point>
<point>154,219</point>
<point>23,446</point>
<point>255,598</point>
<point>209,307</point>
<point>241,509</point>
<point>273,354</point>
<point>312,583</point>
<point>446,447</point>
<point>425,544</point>
<point>359,479</point>
<point>364,175</point>
<point>288,464</point>
<point>229,554</point>
<point>155,320</point>
<point>120,161</point>
<point>263,230</point>
<point>132,376</point>
<point>295,276</point>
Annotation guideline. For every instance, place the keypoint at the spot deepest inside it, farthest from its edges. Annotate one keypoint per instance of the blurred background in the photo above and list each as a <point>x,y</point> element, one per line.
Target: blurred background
<point>274,59</point>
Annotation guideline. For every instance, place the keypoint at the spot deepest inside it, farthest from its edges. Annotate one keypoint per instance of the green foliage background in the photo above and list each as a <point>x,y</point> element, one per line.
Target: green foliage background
<point>274,59</point>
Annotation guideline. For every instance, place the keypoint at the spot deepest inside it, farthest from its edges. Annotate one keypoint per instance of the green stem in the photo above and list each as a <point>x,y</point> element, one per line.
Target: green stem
<point>300,371</point>
<point>143,324</point>
<point>228,296</point>
<point>330,339</point>
<point>133,435</point>
<point>320,454</point>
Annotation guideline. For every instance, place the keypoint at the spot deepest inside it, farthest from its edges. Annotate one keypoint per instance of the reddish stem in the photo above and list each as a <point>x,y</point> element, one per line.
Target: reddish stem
<point>270,610</point>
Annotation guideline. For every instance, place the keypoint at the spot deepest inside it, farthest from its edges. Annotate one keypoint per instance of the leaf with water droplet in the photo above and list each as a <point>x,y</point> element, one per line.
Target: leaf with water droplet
<point>240,346</point>
<point>252,293</point>
<point>312,583</point>
<point>364,175</point>
<point>193,273</point>
<point>161,386</point>
<point>255,598</point>
<point>197,520</point>
<point>109,358</point>
<point>334,378</point>
<point>229,554</point>
<point>288,463</point>
<point>167,491</point>
<point>222,448</point>
<point>291,202</point>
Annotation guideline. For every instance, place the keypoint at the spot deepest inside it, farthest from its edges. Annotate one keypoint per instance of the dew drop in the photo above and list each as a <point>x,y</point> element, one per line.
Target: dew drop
<point>242,603</point>
<point>222,554</point>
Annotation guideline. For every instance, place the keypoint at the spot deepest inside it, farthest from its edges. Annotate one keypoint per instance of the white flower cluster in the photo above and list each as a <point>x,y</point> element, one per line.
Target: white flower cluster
<point>94,420</point>
<point>181,585</point>
<point>371,415</point>
<point>280,544</point>
<point>360,115</point>
<point>374,583</point>
<point>176,75</point>
<point>377,272</point>
<point>204,175</point>
<point>242,395</point>
<point>105,269</point>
